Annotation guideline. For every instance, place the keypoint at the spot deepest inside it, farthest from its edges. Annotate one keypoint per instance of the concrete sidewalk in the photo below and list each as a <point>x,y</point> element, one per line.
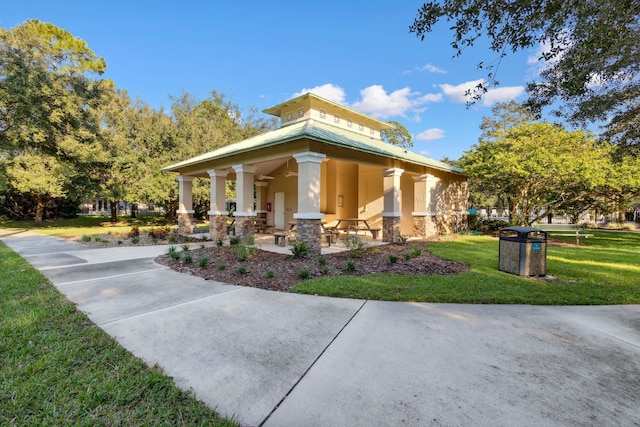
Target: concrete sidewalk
<point>278,359</point>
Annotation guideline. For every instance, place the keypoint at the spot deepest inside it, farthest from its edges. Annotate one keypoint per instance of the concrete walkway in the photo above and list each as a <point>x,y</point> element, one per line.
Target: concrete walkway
<point>277,359</point>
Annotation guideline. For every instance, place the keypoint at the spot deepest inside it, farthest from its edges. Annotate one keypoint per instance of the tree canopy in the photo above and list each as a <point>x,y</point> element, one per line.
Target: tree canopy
<point>50,92</point>
<point>399,135</point>
<point>535,168</point>
<point>590,53</point>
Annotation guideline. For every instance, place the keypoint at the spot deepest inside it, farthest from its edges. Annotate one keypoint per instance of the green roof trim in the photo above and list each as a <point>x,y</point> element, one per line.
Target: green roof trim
<point>322,132</point>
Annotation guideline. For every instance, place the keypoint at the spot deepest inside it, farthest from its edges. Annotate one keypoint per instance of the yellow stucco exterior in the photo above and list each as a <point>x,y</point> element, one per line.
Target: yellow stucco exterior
<point>356,174</point>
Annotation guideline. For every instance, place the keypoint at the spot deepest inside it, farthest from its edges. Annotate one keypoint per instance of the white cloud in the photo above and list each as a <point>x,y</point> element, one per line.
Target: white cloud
<point>457,93</point>
<point>425,153</point>
<point>430,134</point>
<point>501,94</point>
<point>328,91</point>
<point>377,102</point>
<point>430,97</point>
<point>432,69</point>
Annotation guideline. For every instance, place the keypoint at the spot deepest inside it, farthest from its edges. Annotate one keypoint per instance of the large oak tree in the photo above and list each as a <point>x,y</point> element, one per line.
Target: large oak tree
<point>49,96</point>
<point>590,53</point>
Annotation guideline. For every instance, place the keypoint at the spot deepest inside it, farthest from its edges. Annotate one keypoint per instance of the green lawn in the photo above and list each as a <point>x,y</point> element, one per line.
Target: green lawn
<point>603,270</point>
<point>58,368</point>
<point>87,225</point>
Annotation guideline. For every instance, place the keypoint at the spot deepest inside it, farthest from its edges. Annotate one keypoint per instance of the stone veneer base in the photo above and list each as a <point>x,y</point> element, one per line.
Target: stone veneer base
<point>309,231</point>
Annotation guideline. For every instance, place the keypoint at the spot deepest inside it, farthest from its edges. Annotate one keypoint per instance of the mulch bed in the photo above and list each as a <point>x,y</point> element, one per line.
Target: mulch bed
<point>278,272</point>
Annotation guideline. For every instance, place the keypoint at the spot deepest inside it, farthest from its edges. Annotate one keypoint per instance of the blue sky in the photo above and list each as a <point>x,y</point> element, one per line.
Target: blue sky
<point>260,53</point>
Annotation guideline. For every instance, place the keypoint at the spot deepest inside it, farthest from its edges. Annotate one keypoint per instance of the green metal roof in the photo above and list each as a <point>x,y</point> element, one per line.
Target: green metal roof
<point>319,131</point>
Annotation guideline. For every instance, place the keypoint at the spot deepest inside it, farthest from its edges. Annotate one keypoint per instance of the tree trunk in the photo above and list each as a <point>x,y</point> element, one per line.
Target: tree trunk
<point>41,204</point>
<point>114,211</point>
<point>171,211</point>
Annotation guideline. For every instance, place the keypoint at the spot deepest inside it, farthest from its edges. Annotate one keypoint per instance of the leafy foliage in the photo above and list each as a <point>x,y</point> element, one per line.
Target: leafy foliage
<point>398,135</point>
<point>49,126</point>
<point>300,250</point>
<point>534,168</point>
<point>589,57</point>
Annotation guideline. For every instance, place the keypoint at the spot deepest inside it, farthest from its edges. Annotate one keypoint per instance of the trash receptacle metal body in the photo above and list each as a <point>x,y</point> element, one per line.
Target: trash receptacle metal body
<point>522,251</point>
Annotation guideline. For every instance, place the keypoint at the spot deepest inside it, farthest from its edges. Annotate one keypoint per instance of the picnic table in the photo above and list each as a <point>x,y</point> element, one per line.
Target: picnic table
<point>354,225</point>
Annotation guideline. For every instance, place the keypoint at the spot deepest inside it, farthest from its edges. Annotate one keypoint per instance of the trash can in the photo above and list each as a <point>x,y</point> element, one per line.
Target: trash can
<point>523,251</point>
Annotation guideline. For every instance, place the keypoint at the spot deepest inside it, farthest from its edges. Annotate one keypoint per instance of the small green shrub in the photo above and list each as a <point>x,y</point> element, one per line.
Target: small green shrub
<point>86,239</point>
<point>242,252</point>
<point>135,240</point>
<point>355,246</point>
<point>270,274</point>
<point>187,259</point>
<point>185,248</point>
<point>234,240</point>
<point>351,266</point>
<point>393,258</point>
<point>173,253</point>
<point>415,251</point>
<point>249,240</point>
<point>119,242</point>
<point>325,271</point>
<point>300,250</point>
<point>173,239</point>
<point>322,260</point>
<point>203,262</point>
<point>221,267</point>
<point>99,239</point>
<point>403,239</point>
<point>219,242</point>
<point>241,270</point>
<point>303,273</point>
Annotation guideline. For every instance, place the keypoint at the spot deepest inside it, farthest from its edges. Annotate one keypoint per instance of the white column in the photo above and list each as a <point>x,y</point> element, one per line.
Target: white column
<point>392,201</point>
<point>244,190</point>
<point>217,196</point>
<point>185,198</point>
<point>309,166</point>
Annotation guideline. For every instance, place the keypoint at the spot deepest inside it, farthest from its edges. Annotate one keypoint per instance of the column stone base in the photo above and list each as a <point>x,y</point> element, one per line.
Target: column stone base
<point>185,224</point>
<point>309,231</point>
<point>245,226</point>
<point>391,229</point>
<point>218,227</point>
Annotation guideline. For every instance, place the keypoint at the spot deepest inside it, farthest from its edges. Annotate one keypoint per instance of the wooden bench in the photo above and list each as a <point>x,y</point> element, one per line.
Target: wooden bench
<point>568,230</point>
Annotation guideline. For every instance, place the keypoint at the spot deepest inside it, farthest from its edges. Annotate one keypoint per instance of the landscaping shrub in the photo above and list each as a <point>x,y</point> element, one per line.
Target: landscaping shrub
<point>158,233</point>
<point>300,250</point>
<point>355,246</point>
<point>303,273</point>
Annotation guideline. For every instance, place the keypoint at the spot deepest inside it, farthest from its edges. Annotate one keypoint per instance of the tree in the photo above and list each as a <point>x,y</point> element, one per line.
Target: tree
<point>591,53</point>
<point>398,135</point>
<point>48,110</point>
<point>537,167</point>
